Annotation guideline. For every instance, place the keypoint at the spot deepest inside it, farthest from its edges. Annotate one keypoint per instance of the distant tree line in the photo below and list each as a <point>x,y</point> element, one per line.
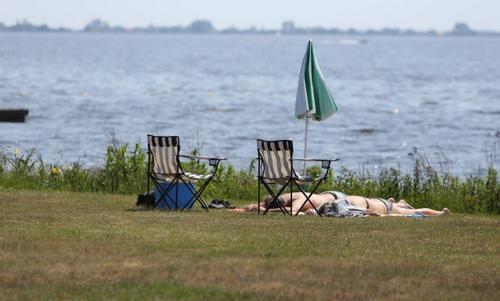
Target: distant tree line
<point>206,27</point>
<point>24,25</point>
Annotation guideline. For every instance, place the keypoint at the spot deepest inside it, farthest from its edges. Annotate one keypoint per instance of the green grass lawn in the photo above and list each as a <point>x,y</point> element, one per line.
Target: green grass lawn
<point>94,246</point>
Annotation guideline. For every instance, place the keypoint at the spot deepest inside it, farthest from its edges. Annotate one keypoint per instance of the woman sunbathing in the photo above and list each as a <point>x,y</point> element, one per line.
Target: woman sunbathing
<point>379,206</point>
<point>372,206</point>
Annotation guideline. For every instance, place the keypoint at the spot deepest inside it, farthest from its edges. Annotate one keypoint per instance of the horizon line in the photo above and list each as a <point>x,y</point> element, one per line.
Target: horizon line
<point>263,28</point>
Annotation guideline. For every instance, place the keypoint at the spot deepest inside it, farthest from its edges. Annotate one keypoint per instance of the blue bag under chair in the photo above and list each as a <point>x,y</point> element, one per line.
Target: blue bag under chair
<point>168,202</point>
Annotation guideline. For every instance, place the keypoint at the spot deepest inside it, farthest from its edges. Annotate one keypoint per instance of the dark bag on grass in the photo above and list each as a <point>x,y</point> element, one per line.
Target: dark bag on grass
<point>146,200</point>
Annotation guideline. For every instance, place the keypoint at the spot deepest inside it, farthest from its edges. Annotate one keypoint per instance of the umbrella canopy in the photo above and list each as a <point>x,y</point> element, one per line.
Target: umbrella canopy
<point>314,99</point>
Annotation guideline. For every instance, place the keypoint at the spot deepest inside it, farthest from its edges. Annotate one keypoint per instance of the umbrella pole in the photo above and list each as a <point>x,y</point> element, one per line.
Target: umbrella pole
<point>305,145</point>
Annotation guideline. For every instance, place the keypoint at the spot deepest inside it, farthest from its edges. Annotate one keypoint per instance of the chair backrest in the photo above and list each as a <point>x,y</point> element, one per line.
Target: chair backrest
<point>165,152</point>
<point>275,158</point>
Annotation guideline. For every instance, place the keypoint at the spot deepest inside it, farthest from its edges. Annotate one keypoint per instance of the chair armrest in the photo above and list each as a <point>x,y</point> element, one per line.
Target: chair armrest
<point>325,163</point>
<point>212,161</point>
<point>311,159</point>
<point>202,157</point>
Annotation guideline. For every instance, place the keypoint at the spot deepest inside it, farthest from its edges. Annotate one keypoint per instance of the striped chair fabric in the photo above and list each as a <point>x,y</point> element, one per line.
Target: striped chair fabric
<point>196,177</point>
<point>165,151</point>
<point>276,158</point>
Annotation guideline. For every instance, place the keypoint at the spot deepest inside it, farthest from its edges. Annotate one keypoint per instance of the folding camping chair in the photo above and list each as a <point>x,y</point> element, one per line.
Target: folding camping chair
<point>275,166</point>
<point>164,154</point>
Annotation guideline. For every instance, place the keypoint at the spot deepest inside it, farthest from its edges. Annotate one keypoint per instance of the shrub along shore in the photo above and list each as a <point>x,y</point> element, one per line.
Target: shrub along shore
<point>125,169</point>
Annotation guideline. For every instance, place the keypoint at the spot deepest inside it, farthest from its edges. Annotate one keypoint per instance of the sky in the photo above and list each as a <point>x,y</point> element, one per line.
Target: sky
<point>344,14</point>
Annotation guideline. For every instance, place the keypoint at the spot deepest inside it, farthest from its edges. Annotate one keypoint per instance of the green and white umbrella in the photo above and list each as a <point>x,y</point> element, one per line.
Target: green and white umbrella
<point>314,99</point>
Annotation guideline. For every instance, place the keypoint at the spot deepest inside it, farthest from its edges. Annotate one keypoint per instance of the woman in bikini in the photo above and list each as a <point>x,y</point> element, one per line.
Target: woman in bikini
<point>383,207</point>
<point>372,206</point>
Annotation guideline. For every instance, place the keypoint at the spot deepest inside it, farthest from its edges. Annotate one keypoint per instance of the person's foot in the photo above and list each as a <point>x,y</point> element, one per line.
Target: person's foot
<point>446,211</point>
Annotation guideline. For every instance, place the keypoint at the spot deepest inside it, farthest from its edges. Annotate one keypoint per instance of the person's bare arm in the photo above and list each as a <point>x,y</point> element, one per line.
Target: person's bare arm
<point>248,208</point>
<point>372,212</point>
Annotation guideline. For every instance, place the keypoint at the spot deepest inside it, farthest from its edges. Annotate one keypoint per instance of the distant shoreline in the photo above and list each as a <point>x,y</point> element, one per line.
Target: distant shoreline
<point>206,27</point>
<point>337,35</point>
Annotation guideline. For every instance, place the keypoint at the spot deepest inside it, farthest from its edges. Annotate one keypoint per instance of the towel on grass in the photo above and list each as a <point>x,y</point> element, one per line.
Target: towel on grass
<point>342,208</point>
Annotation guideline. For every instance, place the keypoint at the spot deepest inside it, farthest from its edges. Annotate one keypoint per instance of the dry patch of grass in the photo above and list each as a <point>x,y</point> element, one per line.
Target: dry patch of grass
<point>95,246</point>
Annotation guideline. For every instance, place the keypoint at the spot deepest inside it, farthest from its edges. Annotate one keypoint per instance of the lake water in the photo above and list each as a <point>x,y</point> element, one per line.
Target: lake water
<point>221,92</point>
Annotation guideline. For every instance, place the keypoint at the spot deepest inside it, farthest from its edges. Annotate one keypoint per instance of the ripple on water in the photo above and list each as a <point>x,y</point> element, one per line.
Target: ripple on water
<point>487,112</point>
<point>429,103</point>
<point>222,109</point>
<point>366,130</point>
<point>59,92</point>
<point>489,92</point>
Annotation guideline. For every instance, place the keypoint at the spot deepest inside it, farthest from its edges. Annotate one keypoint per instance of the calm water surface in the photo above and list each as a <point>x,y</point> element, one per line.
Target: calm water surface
<point>221,92</point>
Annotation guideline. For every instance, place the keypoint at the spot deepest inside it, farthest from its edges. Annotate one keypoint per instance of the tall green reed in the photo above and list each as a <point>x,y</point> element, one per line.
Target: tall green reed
<point>125,166</point>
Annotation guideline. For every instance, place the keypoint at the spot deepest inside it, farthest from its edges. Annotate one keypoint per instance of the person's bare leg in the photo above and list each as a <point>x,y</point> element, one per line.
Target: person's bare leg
<point>430,212</point>
<point>425,211</point>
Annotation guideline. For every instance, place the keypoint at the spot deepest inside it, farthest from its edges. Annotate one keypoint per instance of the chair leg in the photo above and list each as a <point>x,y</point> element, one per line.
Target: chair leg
<point>275,198</point>
<point>167,193</point>
<point>177,196</point>
<point>308,197</point>
<point>258,185</point>
<point>163,195</point>
<point>196,195</point>
<point>148,170</point>
<point>258,196</point>
<point>193,200</point>
<point>163,192</point>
